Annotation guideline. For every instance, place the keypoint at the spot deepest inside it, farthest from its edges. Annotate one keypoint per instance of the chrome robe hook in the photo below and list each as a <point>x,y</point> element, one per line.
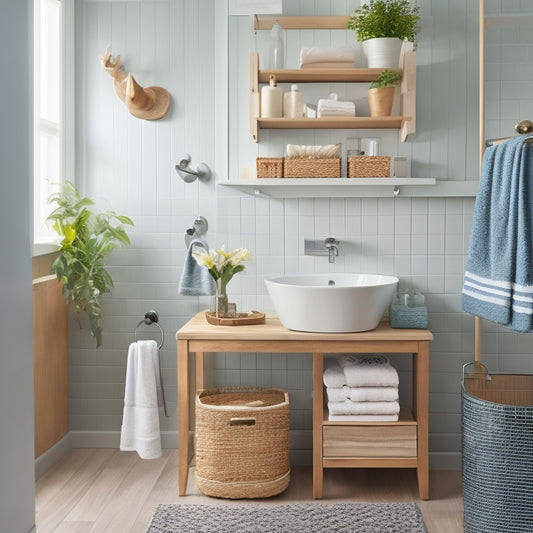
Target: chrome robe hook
<point>188,174</point>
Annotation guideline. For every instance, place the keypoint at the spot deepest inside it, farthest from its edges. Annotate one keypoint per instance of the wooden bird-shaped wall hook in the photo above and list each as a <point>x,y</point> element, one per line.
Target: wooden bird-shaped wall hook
<point>149,103</point>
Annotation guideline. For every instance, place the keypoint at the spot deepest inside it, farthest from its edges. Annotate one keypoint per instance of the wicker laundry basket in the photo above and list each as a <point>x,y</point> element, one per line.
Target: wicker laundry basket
<point>497,435</point>
<point>242,442</point>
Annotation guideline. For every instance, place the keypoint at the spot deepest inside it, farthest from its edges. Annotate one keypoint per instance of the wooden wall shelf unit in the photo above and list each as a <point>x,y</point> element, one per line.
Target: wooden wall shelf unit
<point>402,444</point>
<point>406,122</point>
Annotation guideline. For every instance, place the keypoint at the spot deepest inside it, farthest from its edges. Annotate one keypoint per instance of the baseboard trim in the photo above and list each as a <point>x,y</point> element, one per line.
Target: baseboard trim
<point>50,457</point>
<point>300,449</point>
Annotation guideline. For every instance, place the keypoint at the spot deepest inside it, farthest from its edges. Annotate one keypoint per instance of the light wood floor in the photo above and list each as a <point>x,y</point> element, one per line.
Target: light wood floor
<point>108,491</point>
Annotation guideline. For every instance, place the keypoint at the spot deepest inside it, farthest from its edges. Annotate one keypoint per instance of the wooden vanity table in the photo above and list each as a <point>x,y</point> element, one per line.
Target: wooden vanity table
<point>402,444</point>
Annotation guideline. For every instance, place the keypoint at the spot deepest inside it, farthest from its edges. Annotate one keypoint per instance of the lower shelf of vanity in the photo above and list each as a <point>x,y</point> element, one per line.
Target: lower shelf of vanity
<point>370,444</point>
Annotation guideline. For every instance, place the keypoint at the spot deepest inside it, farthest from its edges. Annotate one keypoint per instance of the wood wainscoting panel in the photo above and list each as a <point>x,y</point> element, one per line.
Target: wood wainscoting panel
<point>50,354</point>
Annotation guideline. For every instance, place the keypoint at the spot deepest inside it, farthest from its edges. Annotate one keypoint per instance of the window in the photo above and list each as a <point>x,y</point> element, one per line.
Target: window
<point>51,151</point>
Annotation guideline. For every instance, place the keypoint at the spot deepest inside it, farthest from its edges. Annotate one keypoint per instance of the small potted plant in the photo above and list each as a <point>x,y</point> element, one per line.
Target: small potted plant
<point>88,236</point>
<point>382,25</point>
<point>381,93</point>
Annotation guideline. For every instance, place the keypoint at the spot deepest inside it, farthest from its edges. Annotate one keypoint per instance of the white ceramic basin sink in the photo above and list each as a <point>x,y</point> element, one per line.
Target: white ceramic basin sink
<point>331,303</point>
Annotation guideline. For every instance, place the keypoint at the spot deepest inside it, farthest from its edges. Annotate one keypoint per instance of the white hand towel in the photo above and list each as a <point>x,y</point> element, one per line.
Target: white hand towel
<point>140,422</point>
<point>368,371</point>
<point>333,374</point>
<point>363,418</point>
<point>363,408</point>
<point>373,394</point>
<point>337,394</point>
<point>328,107</point>
<point>324,54</point>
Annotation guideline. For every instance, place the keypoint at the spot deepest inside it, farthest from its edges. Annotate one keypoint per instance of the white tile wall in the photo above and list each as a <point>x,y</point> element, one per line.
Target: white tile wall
<point>422,240</point>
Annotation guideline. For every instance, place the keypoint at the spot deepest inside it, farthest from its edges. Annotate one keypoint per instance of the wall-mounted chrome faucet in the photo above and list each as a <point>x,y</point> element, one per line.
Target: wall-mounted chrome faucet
<point>187,174</point>
<point>329,247</point>
<point>332,245</point>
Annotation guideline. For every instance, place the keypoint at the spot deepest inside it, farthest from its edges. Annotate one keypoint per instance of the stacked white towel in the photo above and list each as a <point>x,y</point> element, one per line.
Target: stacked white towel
<point>332,107</point>
<point>361,388</point>
<point>323,57</point>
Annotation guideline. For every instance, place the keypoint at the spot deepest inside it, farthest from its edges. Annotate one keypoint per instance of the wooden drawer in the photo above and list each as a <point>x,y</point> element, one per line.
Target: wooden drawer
<point>369,441</point>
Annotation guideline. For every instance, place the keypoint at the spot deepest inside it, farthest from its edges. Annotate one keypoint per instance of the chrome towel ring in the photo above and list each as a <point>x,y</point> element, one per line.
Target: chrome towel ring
<point>151,317</point>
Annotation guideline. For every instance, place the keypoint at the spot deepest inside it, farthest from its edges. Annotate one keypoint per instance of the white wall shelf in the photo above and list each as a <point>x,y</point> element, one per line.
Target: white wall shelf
<point>352,187</point>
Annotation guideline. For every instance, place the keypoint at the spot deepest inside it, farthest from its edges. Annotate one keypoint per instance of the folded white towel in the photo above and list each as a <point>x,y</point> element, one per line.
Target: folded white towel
<point>363,408</point>
<point>140,430</point>
<point>338,394</point>
<point>368,371</point>
<point>320,151</point>
<point>333,373</point>
<point>363,418</point>
<point>324,54</point>
<point>328,107</point>
<point>373,394</point>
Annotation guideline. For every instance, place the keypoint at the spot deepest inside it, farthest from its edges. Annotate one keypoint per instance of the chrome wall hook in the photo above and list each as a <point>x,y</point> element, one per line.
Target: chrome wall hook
<point>187,174</point>
<point>199,228</point>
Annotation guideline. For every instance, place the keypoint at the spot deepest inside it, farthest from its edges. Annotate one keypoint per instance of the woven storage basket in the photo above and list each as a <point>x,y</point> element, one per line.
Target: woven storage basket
<point>369,166</point>
<point>242,442</point>
<point>269,167</point>
<point>497,436</point>
<point>312,168</point>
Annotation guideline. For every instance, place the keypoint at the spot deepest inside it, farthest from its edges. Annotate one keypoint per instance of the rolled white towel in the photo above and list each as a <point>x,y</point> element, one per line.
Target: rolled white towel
<point>368,371</point>
<point>337,394</point>
<point>363,408</point>
<point>373,394</point>
<point>321,54</point>
<point>328,107</point>
<point>333,374</point>
<point>363,418</point>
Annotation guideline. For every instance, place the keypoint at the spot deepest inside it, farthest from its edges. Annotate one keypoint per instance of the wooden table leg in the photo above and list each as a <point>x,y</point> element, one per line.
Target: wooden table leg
<point>421,404</point>
<point>183,416</point>
<point>318,415</point>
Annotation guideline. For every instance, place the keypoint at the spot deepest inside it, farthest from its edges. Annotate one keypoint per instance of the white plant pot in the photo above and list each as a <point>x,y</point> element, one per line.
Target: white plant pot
<point>383,52</point>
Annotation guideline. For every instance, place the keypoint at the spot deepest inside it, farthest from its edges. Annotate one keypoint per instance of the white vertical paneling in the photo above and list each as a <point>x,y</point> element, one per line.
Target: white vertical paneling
<point>172,43</point>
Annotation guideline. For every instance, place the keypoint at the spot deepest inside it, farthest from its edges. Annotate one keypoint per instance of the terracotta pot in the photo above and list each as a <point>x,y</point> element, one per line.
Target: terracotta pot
<point>380,101</point>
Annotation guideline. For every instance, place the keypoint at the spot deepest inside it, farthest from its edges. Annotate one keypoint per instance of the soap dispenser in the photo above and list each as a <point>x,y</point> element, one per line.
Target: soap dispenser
<point>277,50</point>
<point>271,100</point>
<point>293,103</point>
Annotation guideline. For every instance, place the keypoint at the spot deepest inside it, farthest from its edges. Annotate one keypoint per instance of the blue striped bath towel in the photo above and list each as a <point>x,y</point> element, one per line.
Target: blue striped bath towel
<point>498,283</point>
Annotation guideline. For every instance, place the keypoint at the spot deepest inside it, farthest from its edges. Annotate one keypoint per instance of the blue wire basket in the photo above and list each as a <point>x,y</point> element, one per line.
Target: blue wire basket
<point>497,441</point>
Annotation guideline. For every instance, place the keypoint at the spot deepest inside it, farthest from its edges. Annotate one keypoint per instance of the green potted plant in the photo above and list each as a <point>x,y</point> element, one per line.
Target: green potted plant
<point>88,236</point>
<point>380,95</point>
<point>382,25</point>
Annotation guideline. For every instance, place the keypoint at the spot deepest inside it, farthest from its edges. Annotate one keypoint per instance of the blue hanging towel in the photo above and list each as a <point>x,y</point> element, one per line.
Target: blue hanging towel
<point>498,283</point>
<point>195,279</point>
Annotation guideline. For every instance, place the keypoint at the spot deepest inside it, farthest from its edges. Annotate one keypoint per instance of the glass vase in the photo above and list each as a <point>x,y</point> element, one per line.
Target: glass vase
<point>220,301</point>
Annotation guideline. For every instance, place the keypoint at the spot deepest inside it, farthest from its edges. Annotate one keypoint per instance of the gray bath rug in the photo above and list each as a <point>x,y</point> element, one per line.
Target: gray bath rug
<point>288,518</point>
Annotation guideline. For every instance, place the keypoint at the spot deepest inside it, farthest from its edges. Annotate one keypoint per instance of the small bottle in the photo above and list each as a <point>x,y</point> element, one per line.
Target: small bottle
<point>293,103</point>
<point>277,50</point>
<point>271,100</point>
<point>419,300</point>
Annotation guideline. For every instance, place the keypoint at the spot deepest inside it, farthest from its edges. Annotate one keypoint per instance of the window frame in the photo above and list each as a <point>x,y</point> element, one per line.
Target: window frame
<point>43,241</point>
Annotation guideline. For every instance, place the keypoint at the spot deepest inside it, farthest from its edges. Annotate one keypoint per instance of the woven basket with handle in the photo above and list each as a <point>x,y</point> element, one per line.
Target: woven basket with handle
<point>242,442</point>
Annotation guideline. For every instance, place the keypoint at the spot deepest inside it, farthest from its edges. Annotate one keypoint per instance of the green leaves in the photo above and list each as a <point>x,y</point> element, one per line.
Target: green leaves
<point>88,237</point>
<point>387,78</point>
<point>385,18</point>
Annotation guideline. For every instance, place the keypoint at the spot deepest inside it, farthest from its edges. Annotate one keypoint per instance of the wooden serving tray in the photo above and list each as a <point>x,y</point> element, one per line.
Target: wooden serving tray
<point>240,319</point>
